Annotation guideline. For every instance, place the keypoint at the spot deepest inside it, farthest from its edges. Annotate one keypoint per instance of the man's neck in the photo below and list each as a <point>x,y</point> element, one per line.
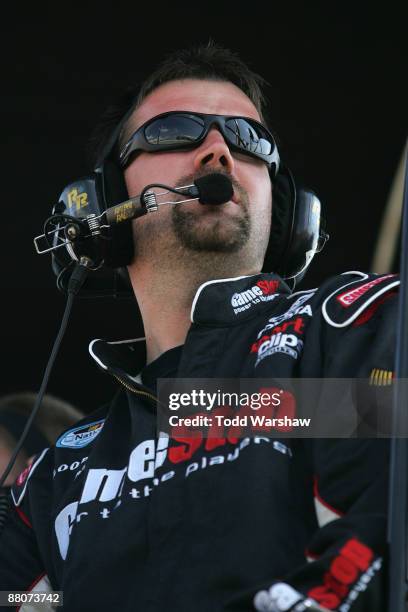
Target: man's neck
<point>165,303</point>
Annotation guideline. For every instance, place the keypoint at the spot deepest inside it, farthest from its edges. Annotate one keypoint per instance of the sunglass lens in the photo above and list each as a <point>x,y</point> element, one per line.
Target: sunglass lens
<point>249,137</point>
<point>174,130</point>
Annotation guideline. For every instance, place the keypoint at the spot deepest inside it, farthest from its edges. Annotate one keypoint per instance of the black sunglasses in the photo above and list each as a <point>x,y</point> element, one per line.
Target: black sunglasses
<point>177,130</point>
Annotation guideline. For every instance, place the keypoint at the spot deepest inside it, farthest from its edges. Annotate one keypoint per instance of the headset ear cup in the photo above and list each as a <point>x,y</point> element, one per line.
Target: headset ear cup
<point>296,232</point>
<point>283,207</point>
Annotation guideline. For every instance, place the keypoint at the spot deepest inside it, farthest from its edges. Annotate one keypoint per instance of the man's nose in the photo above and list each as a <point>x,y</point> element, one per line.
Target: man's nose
<point>214,152</point>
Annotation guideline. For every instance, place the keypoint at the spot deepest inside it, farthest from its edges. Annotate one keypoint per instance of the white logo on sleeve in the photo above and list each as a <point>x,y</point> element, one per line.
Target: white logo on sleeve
<point>279,598</point>
<point>80,436</point>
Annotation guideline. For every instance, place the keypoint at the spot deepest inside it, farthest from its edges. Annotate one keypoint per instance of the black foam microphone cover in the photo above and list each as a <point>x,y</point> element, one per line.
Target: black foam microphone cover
<point>214,189</point>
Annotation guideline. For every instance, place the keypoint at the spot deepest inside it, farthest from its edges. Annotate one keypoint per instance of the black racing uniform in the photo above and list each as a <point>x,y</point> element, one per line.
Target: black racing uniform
<point>120,519</point>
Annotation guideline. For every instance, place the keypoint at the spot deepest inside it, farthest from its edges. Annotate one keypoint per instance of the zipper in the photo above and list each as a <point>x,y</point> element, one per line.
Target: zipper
<point>135,390</point>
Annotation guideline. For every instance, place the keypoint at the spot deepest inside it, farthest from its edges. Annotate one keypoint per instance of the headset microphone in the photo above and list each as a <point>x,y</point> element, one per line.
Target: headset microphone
<point>214,189</point>
<point>65,230</point>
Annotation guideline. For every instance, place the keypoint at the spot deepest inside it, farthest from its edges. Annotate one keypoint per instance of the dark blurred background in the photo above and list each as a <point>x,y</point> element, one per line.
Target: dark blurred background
<point>338,102</point>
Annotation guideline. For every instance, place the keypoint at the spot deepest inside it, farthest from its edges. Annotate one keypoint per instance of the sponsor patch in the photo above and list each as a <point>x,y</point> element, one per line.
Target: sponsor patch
<point>349,574</point>
<point>80,436</point>
<point>289,344</point>
<point>297,308</point>
<point>262,291</point>
<point>349,297</point>
<point>142,475</point>
<point>350,302</point>
<point>280,597</point>
<point>295,325</point>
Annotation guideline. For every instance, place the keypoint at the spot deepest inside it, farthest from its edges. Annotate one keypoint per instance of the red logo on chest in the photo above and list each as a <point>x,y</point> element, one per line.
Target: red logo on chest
<point>268,286</point>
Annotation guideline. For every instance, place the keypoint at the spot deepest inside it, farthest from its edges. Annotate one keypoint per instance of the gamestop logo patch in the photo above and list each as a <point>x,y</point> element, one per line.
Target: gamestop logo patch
<point>80,436</point>
<point>348,298</point>
<point>263,291</point>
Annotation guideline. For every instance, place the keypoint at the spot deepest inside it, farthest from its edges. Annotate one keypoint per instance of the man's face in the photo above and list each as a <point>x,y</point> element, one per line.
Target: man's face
<point>239,226</point>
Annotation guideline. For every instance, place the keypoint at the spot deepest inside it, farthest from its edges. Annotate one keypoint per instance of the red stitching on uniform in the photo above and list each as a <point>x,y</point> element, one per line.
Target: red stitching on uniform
<point>322,501</point>
<point>23,517</point>
<point>36,581</point>
<point>371,310</point>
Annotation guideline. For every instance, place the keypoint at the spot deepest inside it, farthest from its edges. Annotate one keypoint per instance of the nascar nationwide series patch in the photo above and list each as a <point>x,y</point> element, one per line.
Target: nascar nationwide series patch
<point>80,436</point>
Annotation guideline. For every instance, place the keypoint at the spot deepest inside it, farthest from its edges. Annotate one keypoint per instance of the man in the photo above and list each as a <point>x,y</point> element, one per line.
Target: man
<point>15,409</point>
<point>117,517</point>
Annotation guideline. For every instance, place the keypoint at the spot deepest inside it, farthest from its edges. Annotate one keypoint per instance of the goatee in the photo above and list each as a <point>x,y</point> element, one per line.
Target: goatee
<point>212,231</point>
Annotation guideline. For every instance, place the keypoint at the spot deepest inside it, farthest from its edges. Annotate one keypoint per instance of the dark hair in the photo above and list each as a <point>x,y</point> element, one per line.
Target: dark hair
<point>210,62</point>
<point>55,414</point>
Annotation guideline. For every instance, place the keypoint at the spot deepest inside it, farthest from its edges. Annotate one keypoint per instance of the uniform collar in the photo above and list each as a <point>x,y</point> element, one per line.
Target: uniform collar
<point>121,358</point>
<point>221,302</point>
<point>233,300</point>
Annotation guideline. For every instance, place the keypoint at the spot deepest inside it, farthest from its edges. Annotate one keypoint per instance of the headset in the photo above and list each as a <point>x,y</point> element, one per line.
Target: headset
<point>297,225</point>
